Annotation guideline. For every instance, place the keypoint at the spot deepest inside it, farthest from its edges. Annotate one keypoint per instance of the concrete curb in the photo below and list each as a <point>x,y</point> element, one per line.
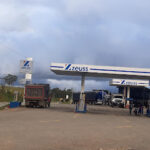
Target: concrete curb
<point>3,104</point>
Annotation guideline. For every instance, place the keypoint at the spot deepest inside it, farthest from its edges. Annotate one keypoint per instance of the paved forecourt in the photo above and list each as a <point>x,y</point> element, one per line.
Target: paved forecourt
<point>59,128</point>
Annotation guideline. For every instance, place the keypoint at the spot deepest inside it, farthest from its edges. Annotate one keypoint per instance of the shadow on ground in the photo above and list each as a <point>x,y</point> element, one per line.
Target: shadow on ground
<point>91,109</point>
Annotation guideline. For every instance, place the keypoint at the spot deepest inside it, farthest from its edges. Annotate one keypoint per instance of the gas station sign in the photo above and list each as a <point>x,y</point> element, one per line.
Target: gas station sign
<point>123,82</point>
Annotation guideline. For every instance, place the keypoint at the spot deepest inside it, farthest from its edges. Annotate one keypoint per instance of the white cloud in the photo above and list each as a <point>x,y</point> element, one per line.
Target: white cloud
<point>76,84</point>
<point>13,19</point>
<point>100,32</point>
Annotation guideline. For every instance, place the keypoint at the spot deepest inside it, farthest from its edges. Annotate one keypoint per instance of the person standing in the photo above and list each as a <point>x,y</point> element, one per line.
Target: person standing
<point>131,107</point>
<point>142,109</point>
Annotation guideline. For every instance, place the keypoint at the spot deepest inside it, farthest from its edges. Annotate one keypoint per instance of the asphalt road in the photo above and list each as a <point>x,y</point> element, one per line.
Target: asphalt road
<point>59,128</point>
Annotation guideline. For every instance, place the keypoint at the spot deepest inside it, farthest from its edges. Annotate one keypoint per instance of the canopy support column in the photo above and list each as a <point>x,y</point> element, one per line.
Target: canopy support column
<point>125,95</point>
<point>128,96</point>
<point>81,105</point>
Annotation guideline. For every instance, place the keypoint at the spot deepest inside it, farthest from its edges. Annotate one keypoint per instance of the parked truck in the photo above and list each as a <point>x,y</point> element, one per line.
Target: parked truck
<point>118,100</point>
<point>37,95</point>
<point>91,97</point>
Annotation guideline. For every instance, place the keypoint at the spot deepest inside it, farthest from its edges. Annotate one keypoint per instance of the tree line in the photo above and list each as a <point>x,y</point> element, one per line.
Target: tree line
<point>55,93</point>
<point>58,93</point>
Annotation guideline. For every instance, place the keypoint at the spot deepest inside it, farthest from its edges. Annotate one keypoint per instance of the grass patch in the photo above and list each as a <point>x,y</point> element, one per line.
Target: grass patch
<point>3,107</point>
<point>7,93</point>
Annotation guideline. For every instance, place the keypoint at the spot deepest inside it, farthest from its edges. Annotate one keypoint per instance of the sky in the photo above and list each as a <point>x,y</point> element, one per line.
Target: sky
<point>94,32</point>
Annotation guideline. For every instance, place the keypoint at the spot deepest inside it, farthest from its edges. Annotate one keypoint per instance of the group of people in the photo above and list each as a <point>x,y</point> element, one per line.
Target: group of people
<point>137,108</point>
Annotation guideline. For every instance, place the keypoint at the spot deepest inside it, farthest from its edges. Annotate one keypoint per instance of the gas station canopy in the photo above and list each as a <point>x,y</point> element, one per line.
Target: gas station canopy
<point>131,83</point>
<point>100,71</point>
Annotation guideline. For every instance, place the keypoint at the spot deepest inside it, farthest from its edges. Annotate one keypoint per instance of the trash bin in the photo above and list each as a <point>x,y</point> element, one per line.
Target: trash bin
<point>15,104</point>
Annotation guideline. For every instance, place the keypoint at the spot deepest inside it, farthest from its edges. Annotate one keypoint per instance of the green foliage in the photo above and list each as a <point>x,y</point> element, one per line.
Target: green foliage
<point>58,94</point>
<point>7,94</point>
<point>20,97</point>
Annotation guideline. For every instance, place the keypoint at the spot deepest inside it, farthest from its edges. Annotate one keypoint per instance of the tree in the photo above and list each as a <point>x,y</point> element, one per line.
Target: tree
<point>58,93</point>
<point>10,79</point>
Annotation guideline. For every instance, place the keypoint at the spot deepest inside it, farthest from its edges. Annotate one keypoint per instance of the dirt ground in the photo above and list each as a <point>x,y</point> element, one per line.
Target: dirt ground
<point>59,128</point>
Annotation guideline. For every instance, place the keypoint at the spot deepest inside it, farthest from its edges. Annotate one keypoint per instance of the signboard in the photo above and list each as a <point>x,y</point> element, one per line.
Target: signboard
<point>26,66</point>
<point>28,77</point>
<point>79,68</point>
<point>122,82</point>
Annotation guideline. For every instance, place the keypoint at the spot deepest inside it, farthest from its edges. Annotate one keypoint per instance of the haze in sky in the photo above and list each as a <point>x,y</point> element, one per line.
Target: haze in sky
<point>96,32</point>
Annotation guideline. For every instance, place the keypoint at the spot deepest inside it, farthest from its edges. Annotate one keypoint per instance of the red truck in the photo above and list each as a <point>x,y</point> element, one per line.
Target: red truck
<point>37,95</point>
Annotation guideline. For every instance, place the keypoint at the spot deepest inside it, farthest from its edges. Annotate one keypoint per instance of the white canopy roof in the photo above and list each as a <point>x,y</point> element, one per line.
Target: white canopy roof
<point>100,71</point>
